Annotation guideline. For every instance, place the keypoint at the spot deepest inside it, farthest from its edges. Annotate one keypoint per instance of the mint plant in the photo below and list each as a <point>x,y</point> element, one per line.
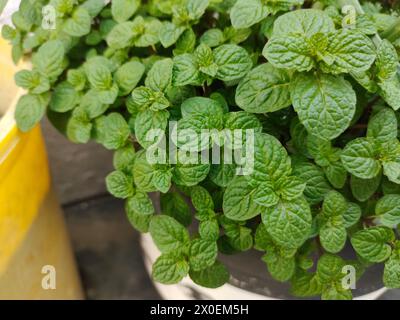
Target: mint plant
<point>318,90</point>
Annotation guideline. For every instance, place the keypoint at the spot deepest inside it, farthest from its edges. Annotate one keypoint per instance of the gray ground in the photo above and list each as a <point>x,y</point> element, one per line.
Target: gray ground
<point>106,246</point>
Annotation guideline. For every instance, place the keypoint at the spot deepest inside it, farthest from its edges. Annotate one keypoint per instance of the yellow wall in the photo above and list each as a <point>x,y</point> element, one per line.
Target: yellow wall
<point>32,229</point>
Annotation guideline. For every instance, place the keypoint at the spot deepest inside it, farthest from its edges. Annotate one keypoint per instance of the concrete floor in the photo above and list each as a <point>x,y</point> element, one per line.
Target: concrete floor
<point>106,246</point>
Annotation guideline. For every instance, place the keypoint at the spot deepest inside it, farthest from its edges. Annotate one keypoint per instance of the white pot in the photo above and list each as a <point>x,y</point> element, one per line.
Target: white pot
<point>188,290</point>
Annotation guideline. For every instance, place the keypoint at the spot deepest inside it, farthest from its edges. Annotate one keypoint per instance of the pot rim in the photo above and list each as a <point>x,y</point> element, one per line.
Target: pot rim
<point>151,253</point>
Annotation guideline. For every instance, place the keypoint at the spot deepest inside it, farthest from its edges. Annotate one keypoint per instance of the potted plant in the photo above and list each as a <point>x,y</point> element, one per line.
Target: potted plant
<point>248,124</point>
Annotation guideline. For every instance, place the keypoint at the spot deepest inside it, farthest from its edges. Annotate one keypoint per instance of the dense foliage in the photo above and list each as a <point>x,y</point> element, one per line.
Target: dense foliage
<point>320,91</point>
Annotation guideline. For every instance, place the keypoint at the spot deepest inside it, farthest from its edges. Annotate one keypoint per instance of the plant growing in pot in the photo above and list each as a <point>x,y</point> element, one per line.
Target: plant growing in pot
<point>262,124</point>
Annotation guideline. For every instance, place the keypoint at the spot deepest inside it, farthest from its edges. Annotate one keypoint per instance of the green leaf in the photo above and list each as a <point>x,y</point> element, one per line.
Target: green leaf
<point>32,81</point>
<point>79,24</point>
<point>202,254</point>
<point>29,111</point>
<point>391,274</point>
<point>288,223</point>
<point>141,204</point>
<point>239,237</point>
<point>48,60</point>
<point>94,7</point>
<point>209,229</point>
<point>122,35</point>
<point>389,187</point>
<point>391,169</point>
<point>387,60</point>
<point>332,237</point>
<point>233,62</point>
<point>321,150</point>
<point>115,131</point>
<point>316,185</point>
<point>201,199</point>
<point>305,285</point>
<point>336,174</point>
<point>107,96</point>
<point>120,185</point>
<point>388,210</point>
<point>290,188</point>
<point>282,5</point>
<point>352,215</point>
<point>124,158</point>
<point>149,120</point>
<point>242,120</point>
<point>174,205</point>
<point>325,104</point>
<point>128,76</point>
<point>162,180</point>
<point>168,234</point>
<point>390,92</point>
<point>363,189</point>
<point>185,71</point>
<point>144,98</point>
<point>222,174</point>
<point>98,73</point>
<point>144,173</point>
<point>170,268</point>
<point>289,52</point>
<point>201,106</point>
<point>196,8</point>
<point>79,127</point>
<point>265,195</point>
<point>238,201</point>
<point>122,10</point>
<point>303,22</point>
<point>351,51</point>
<point>149,33</point>
<point>359,158</point>
<point>336,292</point>
<point>212,277</point>
<point>329,269</point>
<point>212,38</point>
<point>170,33</point>
<point>205,59</point>
<point>334,204</point>
<point>64,98</point>
<point>262,238</point>
<point>365,23</point>
<point>280,268</point>
<point>91,104</point>
<point>160,75</point>
<point>371,244</point>
<point>271,161</point>
<point>77,78</point>
<point>186,42</point>
<point>382,127</point>
<point>264,89</point>
<point>190,174</point>
<point>246,13</point>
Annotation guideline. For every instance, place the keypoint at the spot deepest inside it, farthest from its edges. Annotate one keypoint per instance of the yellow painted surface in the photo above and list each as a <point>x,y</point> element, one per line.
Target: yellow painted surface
<point>32,229</point>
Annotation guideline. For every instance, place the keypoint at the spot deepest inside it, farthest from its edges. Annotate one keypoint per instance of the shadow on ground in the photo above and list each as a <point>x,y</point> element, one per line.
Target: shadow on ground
<point>108,251</point>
